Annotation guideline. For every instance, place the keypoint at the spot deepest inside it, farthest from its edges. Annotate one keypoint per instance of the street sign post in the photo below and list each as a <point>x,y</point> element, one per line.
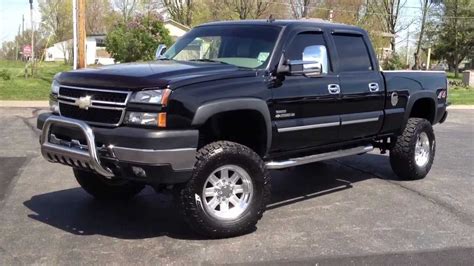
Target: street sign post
<point>27,51</point>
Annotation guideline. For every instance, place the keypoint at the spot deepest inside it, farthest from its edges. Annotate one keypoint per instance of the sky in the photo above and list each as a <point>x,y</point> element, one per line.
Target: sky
<point>11,12</point>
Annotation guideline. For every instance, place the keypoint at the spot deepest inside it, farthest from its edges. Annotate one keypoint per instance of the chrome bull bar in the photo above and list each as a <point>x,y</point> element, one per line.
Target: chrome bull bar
<point>73,156</point>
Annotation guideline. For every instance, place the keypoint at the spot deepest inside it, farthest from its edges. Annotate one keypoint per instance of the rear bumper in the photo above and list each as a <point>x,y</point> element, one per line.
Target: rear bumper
<point>148,155</point>
<point>442,113</point>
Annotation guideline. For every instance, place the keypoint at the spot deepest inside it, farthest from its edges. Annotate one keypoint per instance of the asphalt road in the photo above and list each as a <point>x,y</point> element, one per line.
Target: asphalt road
<point>345,211</point>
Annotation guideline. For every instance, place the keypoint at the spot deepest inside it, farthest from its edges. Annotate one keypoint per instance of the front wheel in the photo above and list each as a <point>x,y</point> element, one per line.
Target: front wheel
<point>413,154</point>
<point>228,191</point>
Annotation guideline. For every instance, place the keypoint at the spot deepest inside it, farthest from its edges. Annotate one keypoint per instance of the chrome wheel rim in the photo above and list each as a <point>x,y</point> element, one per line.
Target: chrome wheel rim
<point>422,149</point>
<point>227,192</point>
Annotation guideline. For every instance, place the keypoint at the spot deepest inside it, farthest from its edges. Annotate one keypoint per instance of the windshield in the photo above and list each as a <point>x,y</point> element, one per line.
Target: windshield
<point>240,45</point>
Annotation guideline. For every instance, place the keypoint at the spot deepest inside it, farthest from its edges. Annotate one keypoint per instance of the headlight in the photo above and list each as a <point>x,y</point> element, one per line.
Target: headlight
<point>145,119</point>
<point>53,103</point>
<point>151,96</point>
<point>55,87</point>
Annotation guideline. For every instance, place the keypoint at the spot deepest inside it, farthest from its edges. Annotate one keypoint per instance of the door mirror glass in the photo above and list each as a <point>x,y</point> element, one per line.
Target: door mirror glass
<point>160,51</point>
<point>300,67</point>
<point>317,54</point>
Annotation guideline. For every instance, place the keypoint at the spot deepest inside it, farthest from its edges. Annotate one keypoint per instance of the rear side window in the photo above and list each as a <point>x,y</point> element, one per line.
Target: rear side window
<point>353,53</point>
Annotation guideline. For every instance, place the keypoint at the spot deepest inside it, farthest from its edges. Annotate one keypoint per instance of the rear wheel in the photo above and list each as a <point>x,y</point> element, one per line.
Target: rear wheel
<point>413,154</point>
<point>102,188</point>
<point>228,191</point>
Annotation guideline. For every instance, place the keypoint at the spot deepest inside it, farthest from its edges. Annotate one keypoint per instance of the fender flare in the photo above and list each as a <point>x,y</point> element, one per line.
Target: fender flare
<point>207,110</point>
<point>423,94</point>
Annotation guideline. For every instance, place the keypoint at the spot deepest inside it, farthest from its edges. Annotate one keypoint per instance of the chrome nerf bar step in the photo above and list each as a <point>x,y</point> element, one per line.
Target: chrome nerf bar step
<point>73,156</point>
<point>318,157</point>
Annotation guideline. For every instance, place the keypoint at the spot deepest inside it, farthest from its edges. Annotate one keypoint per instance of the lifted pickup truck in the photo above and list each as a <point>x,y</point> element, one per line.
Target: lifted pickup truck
<point>230,101</point>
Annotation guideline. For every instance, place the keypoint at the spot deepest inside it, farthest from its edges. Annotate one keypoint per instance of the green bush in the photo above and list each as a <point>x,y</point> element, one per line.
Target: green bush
<point>5,74</point>
<point>393,63</point>
<point>137,39</point>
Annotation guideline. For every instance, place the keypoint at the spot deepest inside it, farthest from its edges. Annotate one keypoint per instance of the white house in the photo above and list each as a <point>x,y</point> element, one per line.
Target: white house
<point>175,28</point>
<point>95,46</point>
<point>95,51</point>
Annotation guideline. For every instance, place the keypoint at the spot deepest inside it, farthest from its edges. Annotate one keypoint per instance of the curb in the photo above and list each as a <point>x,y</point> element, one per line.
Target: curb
<point>24,104</point>
<point>461,107</point>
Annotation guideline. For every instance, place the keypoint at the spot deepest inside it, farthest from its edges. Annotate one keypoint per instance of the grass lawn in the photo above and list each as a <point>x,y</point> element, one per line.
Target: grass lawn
<point>36,88</point>
<point>451,75</point>
<point>461,96</point>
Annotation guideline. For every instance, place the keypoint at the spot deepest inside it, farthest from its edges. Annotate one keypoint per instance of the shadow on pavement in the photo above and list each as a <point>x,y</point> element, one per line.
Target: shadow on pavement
<point>152,215</point>
<point>10,167</point>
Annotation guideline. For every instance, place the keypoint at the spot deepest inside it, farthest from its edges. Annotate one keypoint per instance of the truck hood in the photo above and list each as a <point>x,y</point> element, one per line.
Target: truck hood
<point>136,76</point>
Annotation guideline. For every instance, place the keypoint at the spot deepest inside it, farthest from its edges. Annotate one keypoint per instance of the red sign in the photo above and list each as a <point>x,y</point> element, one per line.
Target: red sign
<point>27,50</point>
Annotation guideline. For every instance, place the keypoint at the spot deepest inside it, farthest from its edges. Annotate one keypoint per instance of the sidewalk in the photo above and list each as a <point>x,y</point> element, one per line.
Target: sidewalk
<point>45,104</point>
<point>24,104</point>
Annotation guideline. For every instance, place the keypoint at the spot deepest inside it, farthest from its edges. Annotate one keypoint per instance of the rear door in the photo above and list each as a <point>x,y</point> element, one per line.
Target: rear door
<point>304,110</point>
<point>362,86</point>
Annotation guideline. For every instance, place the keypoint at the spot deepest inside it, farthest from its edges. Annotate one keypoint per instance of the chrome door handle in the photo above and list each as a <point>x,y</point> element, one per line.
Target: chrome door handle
<point>334,89</point>
<point>374,87</point>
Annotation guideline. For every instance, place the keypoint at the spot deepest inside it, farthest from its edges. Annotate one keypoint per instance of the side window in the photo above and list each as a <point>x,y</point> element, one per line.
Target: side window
<point>352,53</point>
<point>305,45</point>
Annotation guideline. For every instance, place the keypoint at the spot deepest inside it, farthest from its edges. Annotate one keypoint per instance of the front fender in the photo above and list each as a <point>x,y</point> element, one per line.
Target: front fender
<point>207,110</point>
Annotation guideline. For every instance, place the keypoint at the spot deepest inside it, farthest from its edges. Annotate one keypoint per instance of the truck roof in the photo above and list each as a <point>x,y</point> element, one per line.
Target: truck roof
<point>320,23</point>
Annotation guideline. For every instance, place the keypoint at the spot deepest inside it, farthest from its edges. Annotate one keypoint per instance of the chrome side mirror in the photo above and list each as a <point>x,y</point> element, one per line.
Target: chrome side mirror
<point>160,51</point>
<point>301,67</point>
<point>317,54</point>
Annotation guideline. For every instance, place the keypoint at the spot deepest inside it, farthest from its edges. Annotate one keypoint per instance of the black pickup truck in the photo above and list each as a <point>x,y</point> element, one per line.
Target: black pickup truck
<point>230,101</point>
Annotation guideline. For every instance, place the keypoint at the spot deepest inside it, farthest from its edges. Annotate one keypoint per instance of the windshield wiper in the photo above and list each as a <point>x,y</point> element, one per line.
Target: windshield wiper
<point>208,60</point>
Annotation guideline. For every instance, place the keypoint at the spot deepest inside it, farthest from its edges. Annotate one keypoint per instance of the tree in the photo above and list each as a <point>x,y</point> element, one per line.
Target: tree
<point>137,39</point>
<point>456,36</point>
<point>247,9</point>
<point>96,14</point>
<point>56,15</point>
<point>300,8</point>
<point>425,12</point>
<point>388,12</point>
<point>127,8</point>
<point>181,10</point>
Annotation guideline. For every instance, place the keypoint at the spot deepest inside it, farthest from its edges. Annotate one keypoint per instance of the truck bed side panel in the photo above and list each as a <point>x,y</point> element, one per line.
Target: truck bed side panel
<point>403,89</point>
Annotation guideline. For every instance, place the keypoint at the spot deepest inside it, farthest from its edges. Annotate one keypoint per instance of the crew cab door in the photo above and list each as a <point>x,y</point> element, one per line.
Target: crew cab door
<point>304,109</point>
<point>362,86</point>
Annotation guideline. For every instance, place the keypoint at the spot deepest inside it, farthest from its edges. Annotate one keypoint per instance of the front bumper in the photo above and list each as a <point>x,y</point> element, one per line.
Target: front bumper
<point>148,155</point>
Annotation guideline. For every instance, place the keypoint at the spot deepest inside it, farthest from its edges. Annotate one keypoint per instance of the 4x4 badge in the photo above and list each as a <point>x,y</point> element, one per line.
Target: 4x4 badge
<point>84,102</point>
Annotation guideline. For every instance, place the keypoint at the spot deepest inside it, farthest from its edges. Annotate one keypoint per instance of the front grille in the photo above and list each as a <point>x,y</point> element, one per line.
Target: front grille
<point>104,108</point>
<point>96,95</point>
<point>95,115</point>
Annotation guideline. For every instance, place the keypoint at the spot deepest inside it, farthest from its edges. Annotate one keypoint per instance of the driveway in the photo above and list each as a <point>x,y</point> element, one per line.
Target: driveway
<point>346,211</point>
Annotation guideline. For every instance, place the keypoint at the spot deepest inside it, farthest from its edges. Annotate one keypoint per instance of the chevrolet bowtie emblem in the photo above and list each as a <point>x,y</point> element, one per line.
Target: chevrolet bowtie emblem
<point>84,102</point>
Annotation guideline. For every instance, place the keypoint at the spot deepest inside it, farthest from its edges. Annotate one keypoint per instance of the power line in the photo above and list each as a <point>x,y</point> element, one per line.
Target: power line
<point>313,6</point>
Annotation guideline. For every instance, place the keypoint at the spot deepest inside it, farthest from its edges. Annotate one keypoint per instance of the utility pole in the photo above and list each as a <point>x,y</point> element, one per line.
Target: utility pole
<point>74,33</point>
<point>32,39</point>
<point>16,43</point>
<point>81,20</point>
<point>22,24</point>
<point>408,47</point>
<point>428,59</point>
